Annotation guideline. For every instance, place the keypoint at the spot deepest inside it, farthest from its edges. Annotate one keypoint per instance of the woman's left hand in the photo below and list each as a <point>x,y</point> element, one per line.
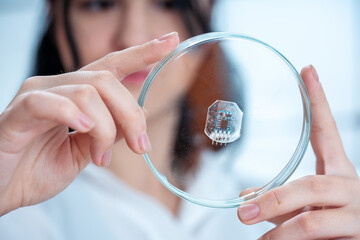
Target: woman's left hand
<point>323,206</point>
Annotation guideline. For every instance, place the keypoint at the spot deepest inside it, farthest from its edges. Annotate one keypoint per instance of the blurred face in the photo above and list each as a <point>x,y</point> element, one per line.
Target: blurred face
<point>103,26</point>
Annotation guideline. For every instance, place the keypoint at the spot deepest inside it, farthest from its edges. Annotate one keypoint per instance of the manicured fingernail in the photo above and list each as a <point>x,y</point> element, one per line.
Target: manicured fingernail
<point>248,212</point>
<point>106,159</point>
<point>86,121</point>
<point>167,36</point>
<point>144,143</point>
<point>314,73</point>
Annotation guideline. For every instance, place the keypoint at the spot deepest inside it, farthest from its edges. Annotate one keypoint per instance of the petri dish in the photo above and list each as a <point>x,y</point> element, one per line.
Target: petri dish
<point>228,114</point>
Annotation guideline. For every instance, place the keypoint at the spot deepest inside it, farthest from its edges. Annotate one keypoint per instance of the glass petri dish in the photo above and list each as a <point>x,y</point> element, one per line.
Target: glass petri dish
<point>227,114</point>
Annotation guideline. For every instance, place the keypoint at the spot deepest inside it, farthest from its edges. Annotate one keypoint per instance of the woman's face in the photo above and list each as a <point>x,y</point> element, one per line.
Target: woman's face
<point>103,26</point>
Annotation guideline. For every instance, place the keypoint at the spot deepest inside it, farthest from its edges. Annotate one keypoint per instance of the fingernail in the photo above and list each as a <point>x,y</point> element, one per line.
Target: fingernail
<point>248,212</point>
<point>86,121</point>
<point>106,159</point>
<point>167,36</point>
<point>314,73</point>
<point>144,143</point>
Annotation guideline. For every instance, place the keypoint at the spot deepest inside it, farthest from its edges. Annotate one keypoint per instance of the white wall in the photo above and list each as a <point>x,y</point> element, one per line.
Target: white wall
<point>325,33</point>
<point>20,24</point>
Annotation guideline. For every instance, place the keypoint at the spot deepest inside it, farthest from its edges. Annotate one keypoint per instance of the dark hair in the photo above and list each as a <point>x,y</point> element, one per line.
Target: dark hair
<point>197,21</point>
<point>48,59</point>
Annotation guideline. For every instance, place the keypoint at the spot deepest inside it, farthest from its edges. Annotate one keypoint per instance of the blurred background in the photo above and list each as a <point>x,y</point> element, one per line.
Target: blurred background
<point>325,33</point>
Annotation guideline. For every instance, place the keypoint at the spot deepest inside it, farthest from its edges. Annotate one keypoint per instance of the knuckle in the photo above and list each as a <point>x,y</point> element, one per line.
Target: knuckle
<point>308,224</point>
<point>274,200</point>
<point>29,83</point>
<point>85,92</point>
<point>31,100</point>
<point>103,77</point>
<point>109,60</point>
<point>316,129</point>
<point>109,57</point>
<point>316,184</point>
<point>64,108</point>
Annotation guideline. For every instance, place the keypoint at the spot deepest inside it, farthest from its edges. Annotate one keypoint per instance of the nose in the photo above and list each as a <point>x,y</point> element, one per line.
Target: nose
<point>134,28</point>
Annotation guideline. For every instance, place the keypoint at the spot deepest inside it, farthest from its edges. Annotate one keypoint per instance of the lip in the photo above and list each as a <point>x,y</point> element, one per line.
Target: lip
<point>136,77</point>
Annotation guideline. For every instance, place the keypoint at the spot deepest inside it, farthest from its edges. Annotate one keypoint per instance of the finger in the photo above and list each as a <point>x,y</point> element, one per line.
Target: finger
<point>125,62</point>
<point>325,138</point>
<point>103,133</point>
<point>324,224</point>
<point>128,116</point>
<point>276,220</point>
<point>316,190</point>
<point>282,218</point>
<point>35,113</point>
<point>120,64</point>
<point>249,191</point>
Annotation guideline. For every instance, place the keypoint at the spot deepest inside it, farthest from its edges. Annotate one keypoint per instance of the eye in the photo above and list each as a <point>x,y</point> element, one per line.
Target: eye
<point>167,4</point>
<point>99,5</point>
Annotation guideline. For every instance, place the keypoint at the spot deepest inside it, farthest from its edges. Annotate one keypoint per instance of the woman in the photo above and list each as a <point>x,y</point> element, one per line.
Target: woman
<point>39,158</point>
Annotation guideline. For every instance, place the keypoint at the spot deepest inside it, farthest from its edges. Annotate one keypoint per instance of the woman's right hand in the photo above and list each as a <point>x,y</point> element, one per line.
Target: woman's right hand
<point>38,155</point>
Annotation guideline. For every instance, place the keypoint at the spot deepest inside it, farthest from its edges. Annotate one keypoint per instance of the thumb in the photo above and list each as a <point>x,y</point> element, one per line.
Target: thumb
<point>325,139</point>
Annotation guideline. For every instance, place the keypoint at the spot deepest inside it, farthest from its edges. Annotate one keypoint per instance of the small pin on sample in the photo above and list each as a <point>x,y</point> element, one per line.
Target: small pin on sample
<point>223,122</point>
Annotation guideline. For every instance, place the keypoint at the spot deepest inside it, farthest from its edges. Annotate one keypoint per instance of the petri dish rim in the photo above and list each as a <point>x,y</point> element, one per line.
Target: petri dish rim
<point>294,161</point>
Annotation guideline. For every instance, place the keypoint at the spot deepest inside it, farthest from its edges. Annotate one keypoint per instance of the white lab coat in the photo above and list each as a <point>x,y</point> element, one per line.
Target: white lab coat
<point>98,205</point>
